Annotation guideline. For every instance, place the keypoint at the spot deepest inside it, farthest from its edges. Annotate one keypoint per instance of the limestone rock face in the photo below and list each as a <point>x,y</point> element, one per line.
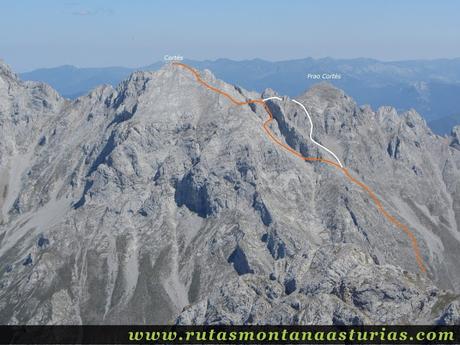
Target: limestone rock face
<point>455,137</point>
<point>161,201</point>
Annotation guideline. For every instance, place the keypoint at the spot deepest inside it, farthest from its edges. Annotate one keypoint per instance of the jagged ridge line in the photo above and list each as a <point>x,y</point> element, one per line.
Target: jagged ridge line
<point>311,127</point>
<point>272,136</point>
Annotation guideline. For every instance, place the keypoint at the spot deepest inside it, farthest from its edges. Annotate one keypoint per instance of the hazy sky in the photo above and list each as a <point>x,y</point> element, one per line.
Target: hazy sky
<point>48,33</point>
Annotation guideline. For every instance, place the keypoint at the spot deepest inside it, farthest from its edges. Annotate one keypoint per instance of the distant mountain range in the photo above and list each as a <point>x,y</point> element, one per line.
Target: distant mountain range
<point>444,124</point>
<point>431,87</point>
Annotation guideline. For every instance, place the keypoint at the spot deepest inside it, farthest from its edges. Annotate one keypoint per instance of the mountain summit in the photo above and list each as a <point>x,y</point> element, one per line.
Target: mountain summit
<point>162,201</point>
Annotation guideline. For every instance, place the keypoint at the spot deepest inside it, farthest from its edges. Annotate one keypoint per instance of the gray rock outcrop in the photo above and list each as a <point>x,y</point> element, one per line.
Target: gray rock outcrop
<point>161,201</point>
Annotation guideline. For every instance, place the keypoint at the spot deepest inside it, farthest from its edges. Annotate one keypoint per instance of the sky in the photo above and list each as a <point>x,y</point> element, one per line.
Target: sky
<point>97,33</point>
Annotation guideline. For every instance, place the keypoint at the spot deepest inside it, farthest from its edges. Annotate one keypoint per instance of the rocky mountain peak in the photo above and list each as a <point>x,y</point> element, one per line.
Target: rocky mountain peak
<point>455,137</point>
<point>415,122</point>
<point>324,97</point>
<point>6,71</point>
<point>326,90</point>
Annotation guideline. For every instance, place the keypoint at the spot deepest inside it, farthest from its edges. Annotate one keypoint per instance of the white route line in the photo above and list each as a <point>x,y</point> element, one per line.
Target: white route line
<point>311,128</point>
<point>274,97</point>
<point>311,134</point>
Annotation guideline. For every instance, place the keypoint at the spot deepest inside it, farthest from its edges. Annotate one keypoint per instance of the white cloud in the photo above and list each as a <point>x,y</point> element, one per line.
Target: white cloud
<point>88,12</point>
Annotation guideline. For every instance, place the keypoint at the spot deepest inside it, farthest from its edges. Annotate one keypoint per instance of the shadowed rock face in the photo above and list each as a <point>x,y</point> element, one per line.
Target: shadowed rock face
<point>160,201</point>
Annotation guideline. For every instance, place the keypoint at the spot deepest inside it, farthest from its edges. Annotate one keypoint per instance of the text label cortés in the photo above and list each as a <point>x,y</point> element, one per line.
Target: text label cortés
<point>324,76</point>
<point>173,58</point>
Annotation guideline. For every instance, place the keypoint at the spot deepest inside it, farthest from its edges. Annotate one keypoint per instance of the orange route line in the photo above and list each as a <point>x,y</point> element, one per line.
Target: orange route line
<point>272,136</point>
